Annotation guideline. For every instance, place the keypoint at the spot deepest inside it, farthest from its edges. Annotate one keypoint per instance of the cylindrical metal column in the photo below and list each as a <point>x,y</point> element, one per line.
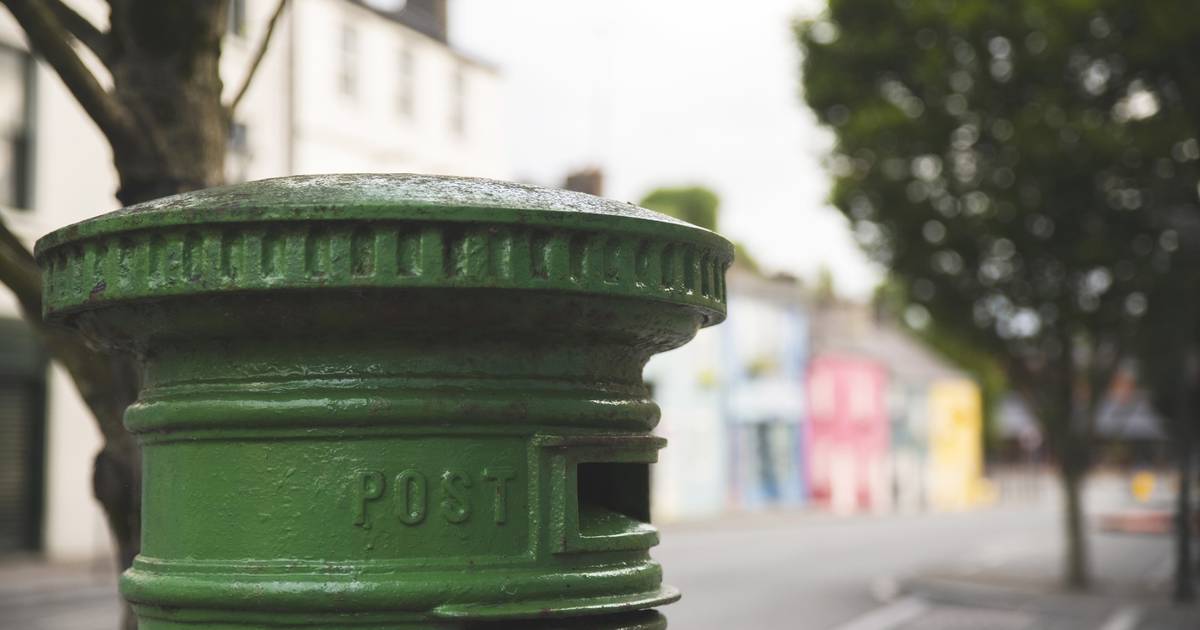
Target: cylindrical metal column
<point>391,401</point>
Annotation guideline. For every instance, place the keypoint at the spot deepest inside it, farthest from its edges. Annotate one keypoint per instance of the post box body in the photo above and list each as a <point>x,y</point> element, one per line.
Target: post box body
<point>390,401</point>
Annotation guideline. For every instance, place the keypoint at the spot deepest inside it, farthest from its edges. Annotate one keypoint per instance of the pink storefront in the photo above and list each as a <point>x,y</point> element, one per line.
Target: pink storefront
<point>846,436</point>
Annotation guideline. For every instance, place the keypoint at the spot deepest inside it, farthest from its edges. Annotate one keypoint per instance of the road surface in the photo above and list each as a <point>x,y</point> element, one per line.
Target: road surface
<point>798,570</point>
<point>820,572</point>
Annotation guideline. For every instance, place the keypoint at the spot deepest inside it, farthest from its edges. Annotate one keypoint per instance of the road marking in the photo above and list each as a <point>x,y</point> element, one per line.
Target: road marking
<point>1126,618</point>
<point>888,617</point>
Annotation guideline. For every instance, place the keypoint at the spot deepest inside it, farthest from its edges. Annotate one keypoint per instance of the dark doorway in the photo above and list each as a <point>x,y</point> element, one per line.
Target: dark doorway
<point>22,437</point>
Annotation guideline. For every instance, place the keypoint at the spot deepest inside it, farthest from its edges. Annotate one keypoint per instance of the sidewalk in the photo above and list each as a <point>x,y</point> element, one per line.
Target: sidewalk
<point>1012,586</point>
<point>949,605</point>
<point>35,595</point>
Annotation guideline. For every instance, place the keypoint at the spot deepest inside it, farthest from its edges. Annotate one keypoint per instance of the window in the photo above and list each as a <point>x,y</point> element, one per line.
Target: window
<point>822,393</point>
<point>863,392</point>
<point>348,70</point>
<point>405,82</point>
<point>14,127</point>
<point>237,18</point>
<point>458,105</point>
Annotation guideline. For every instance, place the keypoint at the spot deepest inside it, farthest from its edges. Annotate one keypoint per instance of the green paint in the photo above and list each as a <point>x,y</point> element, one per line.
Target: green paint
<point>391,401</point>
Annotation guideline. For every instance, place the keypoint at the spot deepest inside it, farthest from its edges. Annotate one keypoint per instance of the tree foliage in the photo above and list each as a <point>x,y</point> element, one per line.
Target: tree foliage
<point>695,204</point>
<point>1017,167</point>
<point>1168,352</point>
<point>979,364</point>
<point>700,206</point>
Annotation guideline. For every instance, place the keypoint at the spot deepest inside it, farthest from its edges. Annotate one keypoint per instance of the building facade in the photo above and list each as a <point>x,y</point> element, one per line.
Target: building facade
<point>923,449</point>
<point>792,402</point>
<point>764,356</point>
<point>690,479</point>
<point>732,406</point>
<point>956,445</point>
<point>346,86</point>
<point>848,433</point>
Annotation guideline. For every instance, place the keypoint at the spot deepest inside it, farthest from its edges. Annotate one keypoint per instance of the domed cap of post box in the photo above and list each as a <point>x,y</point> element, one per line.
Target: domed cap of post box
<point>382,231</point>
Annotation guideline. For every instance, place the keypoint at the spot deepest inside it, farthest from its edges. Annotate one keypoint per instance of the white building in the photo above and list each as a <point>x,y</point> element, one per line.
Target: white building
<point>732,406</point>
<point>346,86</point>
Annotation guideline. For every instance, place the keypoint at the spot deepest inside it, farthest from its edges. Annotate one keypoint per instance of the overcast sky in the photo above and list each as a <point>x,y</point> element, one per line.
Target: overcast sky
<point>672,92</point>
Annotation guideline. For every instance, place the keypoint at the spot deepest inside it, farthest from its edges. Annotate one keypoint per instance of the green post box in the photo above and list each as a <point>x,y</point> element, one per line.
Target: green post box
<point>391,401</point>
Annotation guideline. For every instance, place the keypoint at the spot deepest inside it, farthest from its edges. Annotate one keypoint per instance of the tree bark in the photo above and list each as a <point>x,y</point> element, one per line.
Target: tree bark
<point>1184,590</point>
<point>1077,575</point>
<point>164,62</point>
<point>165,69</point>
<point>1052,393</point>
<point>167,127</point>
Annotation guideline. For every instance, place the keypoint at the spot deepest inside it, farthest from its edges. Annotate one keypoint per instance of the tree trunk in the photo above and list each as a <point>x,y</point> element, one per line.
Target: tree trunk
<point>1184,588</point>
<point>167,126</point>
<point>117,473</point>
<point>1076,574</point>
<point>165,69</point>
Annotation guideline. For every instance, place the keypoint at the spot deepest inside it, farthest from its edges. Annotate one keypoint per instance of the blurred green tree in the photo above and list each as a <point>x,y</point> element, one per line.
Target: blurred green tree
<point>1012,164</point>
<point>981,365</point>
<point>1169,368</point>
<point>824,290</point>
<point>695,204</point>
<point>155,92</point>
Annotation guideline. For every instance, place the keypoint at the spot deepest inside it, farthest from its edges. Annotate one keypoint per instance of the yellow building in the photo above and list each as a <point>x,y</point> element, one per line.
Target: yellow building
<point>955,445</point>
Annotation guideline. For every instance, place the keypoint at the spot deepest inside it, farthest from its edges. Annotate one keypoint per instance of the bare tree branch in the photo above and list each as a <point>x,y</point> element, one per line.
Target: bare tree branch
<point>19,272</point>
<point>258,57</point>
<point>97,375</point>
<point>96,40</point>
<point>48,37</point>
<point>107,383</point>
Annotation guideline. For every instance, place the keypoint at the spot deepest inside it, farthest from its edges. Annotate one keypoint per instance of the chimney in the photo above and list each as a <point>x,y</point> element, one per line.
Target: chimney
<point>427,16</point>
<point>587,180</point>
